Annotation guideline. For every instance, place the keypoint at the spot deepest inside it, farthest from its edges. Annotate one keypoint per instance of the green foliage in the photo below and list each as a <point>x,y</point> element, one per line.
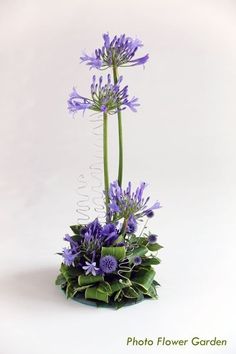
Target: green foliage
<point>60,280</point>
<point>143,279</point>
<point>76,229</point>
<point>151,261</point>
<point>154,247</point>
<point>117,252</point>
<point>152,292</point>
<point>128,285</point>
<point>130,293</point>
<point>69,272</point>
<point>105,288</point>
<point>94,293</point>
<point>89,279</point>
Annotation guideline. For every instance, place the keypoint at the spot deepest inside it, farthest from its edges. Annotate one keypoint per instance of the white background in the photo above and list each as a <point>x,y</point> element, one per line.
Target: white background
<point>181,141</point>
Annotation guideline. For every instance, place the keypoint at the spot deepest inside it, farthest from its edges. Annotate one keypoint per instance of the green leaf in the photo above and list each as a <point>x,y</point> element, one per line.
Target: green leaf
<point>118,297</point>
<point>155,283</point>
<point>76,228</point>
<point>104,287</point>
<point>119,240</point>
<point>76,238</point>
<point>69,272</point>
<point>116,285</point>
<point>70,291</point>
<point>60,280</point>
<point>93,293</point>
<point>89,279</point>
<point>130,293</point>
<point>154,246</point>
<point>139,251</point>
<point>152,292</point>
<point>117,252</point>
<point>142,241</point>
<point>151,261</point>
<point>143,279</point>
<point>82,288</point>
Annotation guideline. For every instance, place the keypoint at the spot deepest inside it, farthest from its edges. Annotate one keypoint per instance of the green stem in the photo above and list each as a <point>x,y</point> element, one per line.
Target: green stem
<point>120,169</point>
<point>105,161</point>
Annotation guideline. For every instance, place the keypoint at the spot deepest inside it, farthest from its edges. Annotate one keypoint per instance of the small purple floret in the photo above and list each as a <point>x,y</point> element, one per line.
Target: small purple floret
<point>131,225</point>
<point>137,260</point>
<point>90,268</point>
<point>108,264</point>
<point>152,239</point>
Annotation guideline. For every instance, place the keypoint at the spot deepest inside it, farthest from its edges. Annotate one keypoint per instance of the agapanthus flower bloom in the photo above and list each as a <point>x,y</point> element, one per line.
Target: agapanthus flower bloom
<point>137,260</point>
<point>108,98</point>
<point>73,244</point>
<point>131,225</point>
<point>109,234</point>
<point>69,256</point>
<point>119,51</point>
<point>108,264</point>
<point>90,268</point>
<point>152,239</point>
<point>124,202</point>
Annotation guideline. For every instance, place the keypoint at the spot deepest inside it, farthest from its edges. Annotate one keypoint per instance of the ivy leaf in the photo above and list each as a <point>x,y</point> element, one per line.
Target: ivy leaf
<point>142,241</point>
<point>117,252</point>
<point>139,251</point>
<point>89,279</point>
<point>151,261</point>
<point>70,291</point>
<point>60,280</point>
<point>82,288</point>
<point>154,246</point>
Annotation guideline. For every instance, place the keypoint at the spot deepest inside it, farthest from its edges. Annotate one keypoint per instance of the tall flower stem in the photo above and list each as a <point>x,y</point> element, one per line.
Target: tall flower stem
<point>120,169</point>
<point>105,161</point>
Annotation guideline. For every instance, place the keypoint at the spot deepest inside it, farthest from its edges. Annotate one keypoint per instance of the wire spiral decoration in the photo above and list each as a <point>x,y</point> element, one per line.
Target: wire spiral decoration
<point>83,208</point>
<point>96,169</point>
<point>82,205</point>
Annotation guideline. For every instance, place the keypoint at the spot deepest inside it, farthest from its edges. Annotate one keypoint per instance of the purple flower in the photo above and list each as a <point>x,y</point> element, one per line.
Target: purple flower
<point>125,203</point>
<point>149,213</point>
<point>107,98</point>
<point>110,234</point>
<point>108,264</point>
<point>118,51</point>
<point>152,239</point>
<point>131,225</point>
<point>68,256</point>
<point>90,268</point>
<point>137,260</point>
<point>92,231</point>
<point>73,244</point>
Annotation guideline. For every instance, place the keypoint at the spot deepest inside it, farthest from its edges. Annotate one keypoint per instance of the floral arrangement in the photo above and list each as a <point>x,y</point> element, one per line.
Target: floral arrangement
<point>111,262</point>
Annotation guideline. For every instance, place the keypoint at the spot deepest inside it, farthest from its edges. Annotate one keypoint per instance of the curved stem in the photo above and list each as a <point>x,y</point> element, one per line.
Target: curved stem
<point>120,169</point>
<point>105,161</point>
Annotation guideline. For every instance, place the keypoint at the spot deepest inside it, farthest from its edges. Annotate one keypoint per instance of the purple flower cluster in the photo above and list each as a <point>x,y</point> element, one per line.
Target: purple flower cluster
<point>93,237</point>
<point>116,52</point>
<point>107,98</point>
<point>128,204</point>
